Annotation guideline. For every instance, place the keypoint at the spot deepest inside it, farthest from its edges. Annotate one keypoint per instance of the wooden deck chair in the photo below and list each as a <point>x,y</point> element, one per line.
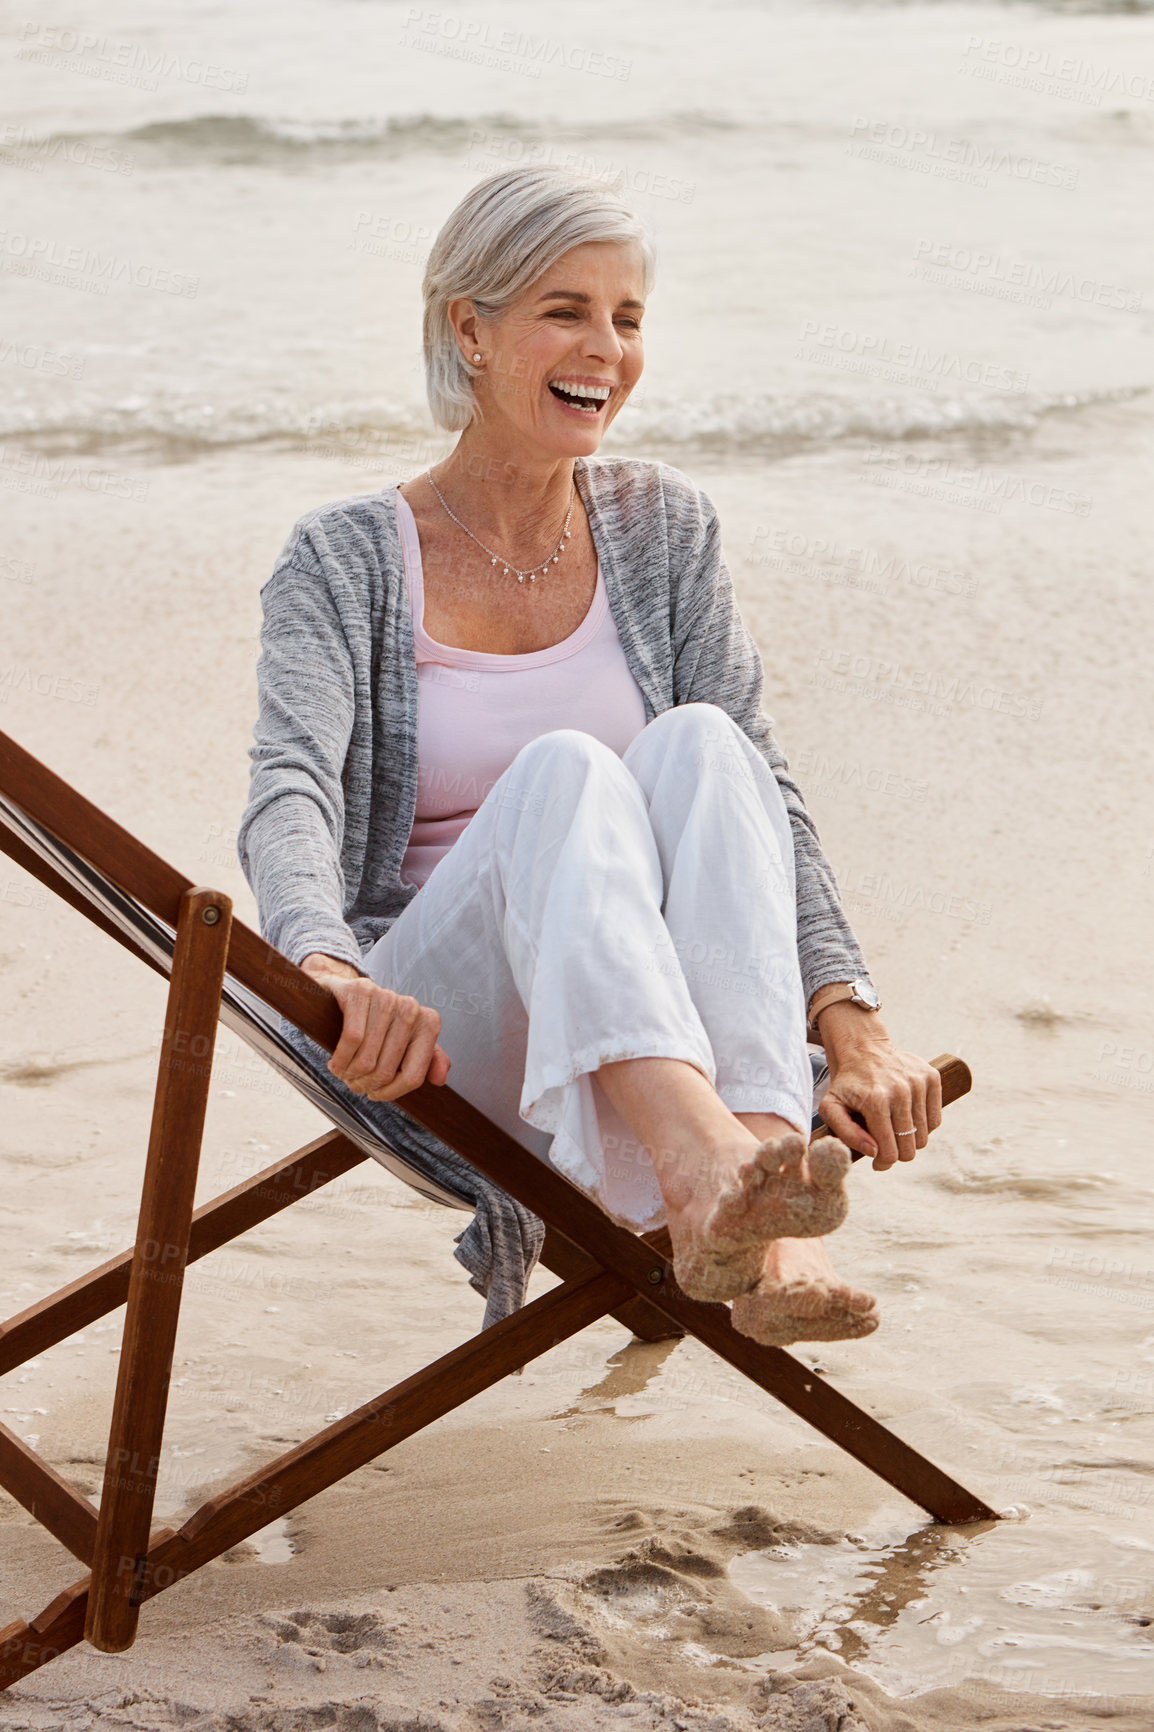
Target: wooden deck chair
<point>220,969</point>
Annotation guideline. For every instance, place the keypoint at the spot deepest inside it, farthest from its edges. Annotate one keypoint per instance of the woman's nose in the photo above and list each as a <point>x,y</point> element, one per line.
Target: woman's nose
<point>603,341</point>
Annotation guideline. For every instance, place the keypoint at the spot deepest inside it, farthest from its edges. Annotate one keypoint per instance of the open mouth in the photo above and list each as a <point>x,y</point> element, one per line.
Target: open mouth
<point>586,399</point>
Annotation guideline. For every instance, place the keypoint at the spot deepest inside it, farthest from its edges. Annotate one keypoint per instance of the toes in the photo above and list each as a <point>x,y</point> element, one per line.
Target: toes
<point>777,1314</point>
<point>829,1162</point>
<point>798,1299</point>
<point>818,1299</point>
<point>779,1155</point>
<point>713,1278</point>
<point>779,1331</point>
<point>857,1328</point>
<point>772,1196</point>
<point>841,1329</point>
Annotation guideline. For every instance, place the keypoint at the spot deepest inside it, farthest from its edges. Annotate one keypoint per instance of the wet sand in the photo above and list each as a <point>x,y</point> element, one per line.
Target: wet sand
<point>569,1549</point>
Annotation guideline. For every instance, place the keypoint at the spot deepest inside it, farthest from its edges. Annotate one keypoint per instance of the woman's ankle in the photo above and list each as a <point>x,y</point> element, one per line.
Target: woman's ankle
<point>670,1107</point>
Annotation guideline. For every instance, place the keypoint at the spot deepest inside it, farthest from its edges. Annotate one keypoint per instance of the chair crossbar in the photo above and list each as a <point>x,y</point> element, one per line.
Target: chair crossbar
<point>56,1505</point>
<point>223,970</point>
<point>233,1515</point>
<point>214,1224</point>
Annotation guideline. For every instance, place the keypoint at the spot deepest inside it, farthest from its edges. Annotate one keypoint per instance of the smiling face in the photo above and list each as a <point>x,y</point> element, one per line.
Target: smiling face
<point>560,362</point>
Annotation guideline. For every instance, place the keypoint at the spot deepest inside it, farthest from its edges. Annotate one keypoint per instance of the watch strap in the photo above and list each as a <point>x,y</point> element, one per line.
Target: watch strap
<point>836,992</point>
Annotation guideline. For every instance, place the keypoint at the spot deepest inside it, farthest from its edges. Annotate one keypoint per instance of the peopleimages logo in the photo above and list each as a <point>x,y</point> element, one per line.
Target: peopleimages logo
<point>990,489</point>
<point>45,684</point>
<point>55,363</point>
<point>488,148</point>
<point>876,352</point>
<point>1017,279</point>
<point>33,255</point>
<point>36,472</point>
<point>951,158</point>
<point>29,150</point>
<point>872,674</point>
<point>834,773</point>
<point>476,39</point>
<point>96,56</point>
<point>797,552</point>
<point>892,898</point>
<point>1069,75</point>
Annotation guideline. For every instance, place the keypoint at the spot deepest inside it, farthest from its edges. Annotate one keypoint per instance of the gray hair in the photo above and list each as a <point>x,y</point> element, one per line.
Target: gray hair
<point>502,236</point>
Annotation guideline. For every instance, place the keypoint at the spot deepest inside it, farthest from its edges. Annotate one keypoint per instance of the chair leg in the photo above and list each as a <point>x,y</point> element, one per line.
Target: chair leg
<point>158,1263</point>
<point>302,1472</point>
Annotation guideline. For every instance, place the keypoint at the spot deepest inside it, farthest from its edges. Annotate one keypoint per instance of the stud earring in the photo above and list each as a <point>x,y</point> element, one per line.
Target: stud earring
<point>477,355</point>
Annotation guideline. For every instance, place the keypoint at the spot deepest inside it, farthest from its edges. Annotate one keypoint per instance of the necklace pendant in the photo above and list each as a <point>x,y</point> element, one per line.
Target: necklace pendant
<point>494,559</point>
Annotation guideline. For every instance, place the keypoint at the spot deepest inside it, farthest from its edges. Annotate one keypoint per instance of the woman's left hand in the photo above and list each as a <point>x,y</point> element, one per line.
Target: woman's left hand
<point>897,1093</point>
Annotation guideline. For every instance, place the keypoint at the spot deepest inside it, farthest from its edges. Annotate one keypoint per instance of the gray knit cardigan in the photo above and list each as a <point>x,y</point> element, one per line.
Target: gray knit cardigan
<point>334,765</point>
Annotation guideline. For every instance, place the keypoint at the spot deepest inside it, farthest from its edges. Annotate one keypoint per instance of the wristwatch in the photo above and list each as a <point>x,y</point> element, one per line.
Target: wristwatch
<point>855,991</point>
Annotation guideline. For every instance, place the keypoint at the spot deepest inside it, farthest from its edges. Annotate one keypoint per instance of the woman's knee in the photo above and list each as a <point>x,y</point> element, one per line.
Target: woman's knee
<point>558,773</point>
<point>564,758</point>
<point>702,744</point>
<point>564,746</point>
<point>704,721</point>
<point>701,730</point>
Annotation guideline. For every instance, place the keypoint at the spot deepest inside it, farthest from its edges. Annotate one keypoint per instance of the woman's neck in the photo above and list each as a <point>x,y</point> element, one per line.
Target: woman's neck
<point>504,500</point>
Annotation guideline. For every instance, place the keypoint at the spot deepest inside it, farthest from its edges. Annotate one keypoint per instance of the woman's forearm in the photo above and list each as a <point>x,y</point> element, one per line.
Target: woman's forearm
<point>291,863</point>
<point>317,964</point>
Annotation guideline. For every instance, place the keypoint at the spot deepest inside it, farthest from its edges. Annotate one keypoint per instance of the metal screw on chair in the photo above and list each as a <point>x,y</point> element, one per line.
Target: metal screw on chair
<point>210,915</point>
<point>656,1276</point>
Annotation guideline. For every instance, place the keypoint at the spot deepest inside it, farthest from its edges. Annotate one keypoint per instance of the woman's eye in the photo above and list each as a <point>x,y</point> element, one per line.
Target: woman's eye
<point>570,313</point>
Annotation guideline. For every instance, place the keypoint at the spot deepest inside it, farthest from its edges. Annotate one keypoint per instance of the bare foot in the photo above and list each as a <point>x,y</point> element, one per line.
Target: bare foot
<point>780,1191</point>
<point>800,1297</point>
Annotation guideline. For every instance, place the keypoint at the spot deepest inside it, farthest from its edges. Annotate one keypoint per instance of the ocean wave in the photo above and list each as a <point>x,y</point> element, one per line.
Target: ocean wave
<point>765,423</point>
<point>372,434</point>
<point>171,423</point>
<point>252,139</point>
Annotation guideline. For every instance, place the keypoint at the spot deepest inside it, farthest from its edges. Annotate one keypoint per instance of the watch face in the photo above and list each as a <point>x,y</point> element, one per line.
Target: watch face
<point>864,993</point>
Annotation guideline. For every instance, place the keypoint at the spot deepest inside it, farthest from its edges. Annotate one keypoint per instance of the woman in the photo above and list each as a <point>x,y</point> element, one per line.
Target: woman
<point>514,801</point>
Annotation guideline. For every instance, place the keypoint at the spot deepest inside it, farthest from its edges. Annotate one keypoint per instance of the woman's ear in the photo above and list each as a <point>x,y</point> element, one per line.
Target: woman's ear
<point>463,318</point>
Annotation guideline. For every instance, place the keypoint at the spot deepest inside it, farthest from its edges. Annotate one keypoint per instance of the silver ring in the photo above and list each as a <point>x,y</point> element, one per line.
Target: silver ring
<point>905,1133</point>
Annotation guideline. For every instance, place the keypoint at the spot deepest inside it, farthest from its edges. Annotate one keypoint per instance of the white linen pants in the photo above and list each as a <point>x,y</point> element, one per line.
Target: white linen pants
<point>599,908</point>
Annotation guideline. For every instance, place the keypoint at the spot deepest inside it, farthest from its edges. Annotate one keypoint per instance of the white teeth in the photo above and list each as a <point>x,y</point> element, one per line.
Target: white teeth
<point>598,392</point>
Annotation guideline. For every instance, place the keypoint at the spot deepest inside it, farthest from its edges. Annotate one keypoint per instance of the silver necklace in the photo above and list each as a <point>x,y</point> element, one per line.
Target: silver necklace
<point>495,558</point>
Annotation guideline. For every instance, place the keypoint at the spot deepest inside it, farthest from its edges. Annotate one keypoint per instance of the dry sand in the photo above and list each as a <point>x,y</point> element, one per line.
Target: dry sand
<point>555,1553</point>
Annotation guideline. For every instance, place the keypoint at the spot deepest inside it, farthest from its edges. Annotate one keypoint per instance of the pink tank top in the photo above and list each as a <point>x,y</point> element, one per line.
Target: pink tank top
<point>475,710</point>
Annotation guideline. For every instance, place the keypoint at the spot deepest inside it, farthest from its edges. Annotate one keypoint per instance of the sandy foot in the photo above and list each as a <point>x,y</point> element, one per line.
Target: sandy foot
<point>800,1297</point>
<point>784,1191</point>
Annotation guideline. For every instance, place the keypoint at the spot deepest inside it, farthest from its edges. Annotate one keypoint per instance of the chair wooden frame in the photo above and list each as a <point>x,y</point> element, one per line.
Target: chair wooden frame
<point>603,1270</point>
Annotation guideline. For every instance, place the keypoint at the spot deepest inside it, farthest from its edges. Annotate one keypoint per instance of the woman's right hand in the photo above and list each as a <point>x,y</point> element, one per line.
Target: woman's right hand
<point>388,1042</point>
